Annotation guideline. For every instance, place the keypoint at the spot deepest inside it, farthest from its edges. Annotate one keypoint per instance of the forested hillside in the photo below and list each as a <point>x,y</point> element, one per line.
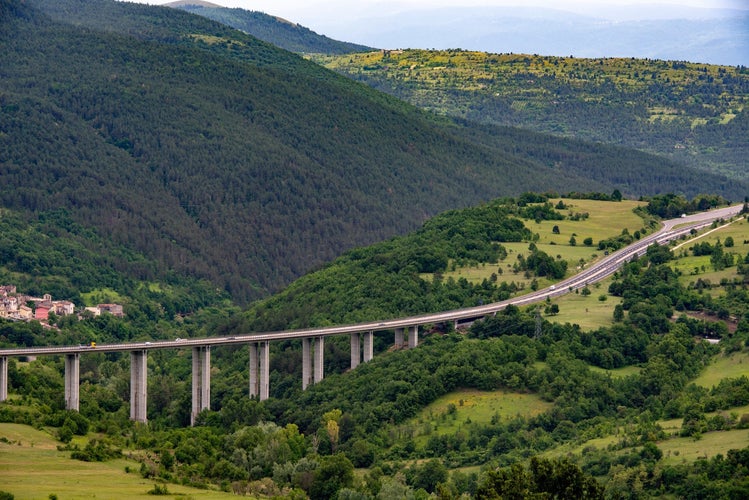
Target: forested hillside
<point>279,32</point>
<point>220,156</point>
<point>638,406</point>
<point>691,113</point>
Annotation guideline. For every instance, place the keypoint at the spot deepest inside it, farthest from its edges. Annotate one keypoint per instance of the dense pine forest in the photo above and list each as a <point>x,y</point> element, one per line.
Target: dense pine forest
<point>190,143</point>
<point>688,112</point>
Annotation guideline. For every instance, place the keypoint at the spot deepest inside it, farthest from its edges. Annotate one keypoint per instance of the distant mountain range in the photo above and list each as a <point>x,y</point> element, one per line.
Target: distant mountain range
<point>714,36</point>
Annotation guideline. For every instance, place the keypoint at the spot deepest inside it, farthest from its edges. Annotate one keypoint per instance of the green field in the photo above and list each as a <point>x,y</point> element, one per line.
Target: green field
<point>732,366</point>
<point>31,467</point>
<point>676,450</point>
<point>449,413</point>
<point>588,311</point>
<point>694,268</point>
<point>605,219</point>
<point>101,296</point>
<point>687,449</point>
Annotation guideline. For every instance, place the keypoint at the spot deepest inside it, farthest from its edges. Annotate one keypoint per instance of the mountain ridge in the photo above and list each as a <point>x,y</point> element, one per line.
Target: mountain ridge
<point>671,109</point>
<point>722,39</point>
<point>272,29</point>
<point>191,143</point>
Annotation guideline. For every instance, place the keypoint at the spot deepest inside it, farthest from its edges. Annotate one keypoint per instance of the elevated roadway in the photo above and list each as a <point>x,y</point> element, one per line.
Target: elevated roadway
<point>312,338</point>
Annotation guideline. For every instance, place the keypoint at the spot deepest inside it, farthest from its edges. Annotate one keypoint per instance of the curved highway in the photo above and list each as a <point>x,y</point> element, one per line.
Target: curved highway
<point>671,230</point>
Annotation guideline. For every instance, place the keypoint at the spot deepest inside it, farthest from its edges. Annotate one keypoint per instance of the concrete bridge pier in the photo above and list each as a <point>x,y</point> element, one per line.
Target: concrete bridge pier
<point>306,362</point>
<point>413,336</point>
<point>72,381</point>
<point>260,370</point>
<point>399,338</point>
<point>312,360</point>
<point>138,385</point>
<point>201,380</point>
<point>264,370</point>
<point>368,346</point>
<point>3,378</point>
<point>254,385</point>
<point>355,350</point>
<point>318,358</point>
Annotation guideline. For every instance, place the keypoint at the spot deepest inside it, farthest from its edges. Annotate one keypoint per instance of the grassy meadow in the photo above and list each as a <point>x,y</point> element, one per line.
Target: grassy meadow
<point>451,412</point>
<point>723,366</point>
<point>605,219</point>
<point>31,467</point>
<point>699,267</point>
<point>588,311</point>
<point>622,372</point>
<point>688,449</point>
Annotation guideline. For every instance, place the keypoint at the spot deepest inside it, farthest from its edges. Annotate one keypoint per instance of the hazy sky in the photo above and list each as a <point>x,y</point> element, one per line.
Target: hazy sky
<point>306,11</point>
<point>291,5</point>
<point>392,23</point>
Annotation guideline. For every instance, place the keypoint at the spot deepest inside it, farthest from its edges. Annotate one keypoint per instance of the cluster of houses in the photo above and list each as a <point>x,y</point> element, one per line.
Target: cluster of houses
<point>20,307</point>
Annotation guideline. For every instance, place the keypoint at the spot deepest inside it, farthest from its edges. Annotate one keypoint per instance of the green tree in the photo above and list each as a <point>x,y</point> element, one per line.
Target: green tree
<point>618,313</point>
<point>429,475</point>
<point>335,472</point>
<point>544,478</point>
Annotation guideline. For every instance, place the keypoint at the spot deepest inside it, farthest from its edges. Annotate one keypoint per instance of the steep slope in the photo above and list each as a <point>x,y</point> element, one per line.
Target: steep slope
<point>218,155</point>
<point>279,32</point>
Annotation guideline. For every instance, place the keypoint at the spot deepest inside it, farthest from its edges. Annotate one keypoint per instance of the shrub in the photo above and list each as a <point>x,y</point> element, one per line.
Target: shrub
<point>158,489</point>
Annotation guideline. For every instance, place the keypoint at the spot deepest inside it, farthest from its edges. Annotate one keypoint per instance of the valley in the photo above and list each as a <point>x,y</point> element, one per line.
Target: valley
<point>465,216</point>
<point>407,441</point>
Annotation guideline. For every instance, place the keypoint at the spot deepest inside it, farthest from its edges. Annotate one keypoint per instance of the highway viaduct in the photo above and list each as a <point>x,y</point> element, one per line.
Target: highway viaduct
<point>361,334</point>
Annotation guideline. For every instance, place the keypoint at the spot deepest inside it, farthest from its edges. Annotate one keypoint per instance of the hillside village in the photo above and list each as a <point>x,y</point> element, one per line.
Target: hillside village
<point>20,307</point>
